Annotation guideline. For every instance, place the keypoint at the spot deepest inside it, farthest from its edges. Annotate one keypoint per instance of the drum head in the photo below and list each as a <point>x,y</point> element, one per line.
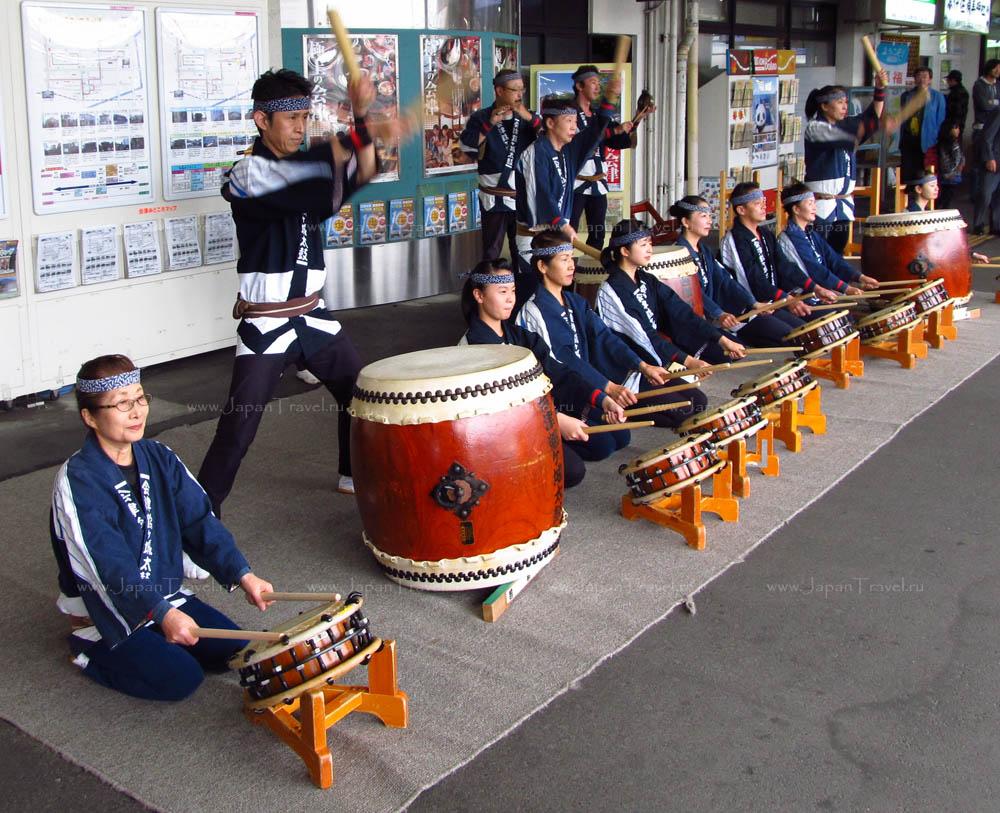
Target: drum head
<point>589,272</point>
<point>822,351</point>
<point>298,629</point>
<point>878,316</point>
<point>900,224</point>
<point>815,323</point>
<point>671,261</point>
<point>447,383</point>
<point>751,387</point>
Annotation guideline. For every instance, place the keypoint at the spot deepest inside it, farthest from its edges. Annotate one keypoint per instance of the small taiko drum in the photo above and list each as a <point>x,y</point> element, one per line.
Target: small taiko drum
<point>661,472</point>
<point>789,381</point>
<point>317,648</point>
<point>673,265</point>
<point>822,335</point>
<point>886,323</point>
<point>918,245</point>
<point>929,297</point>
<point>733,420</point>
<point>587,278</point>
<point>458,467</point>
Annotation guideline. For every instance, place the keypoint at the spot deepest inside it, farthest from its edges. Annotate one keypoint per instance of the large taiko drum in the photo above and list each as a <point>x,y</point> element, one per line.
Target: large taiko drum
<point>673,265</point>
<point>918,245</point>
<point>318,648</point>
<point>587,278</point>
<point>458,467</point>
<point>661,472</point>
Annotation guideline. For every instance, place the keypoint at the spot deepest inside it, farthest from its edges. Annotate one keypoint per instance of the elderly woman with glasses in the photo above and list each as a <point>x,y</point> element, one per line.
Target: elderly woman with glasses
<point>128,522</point>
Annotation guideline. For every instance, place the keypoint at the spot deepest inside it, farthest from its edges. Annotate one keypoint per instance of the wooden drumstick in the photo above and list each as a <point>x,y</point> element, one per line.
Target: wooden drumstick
<point>771,306</point>
<point>641,396</point>
<point>636,411</point>
<point>711,368</point>
<point>240,635</point>
<point>835,306</point>
<point>615,427</point>
<point>872,56</point>
<point>329,597</point>
<point>756,351</point>
<point>865,295</point>
<point>344,41</point>
<point>901,283</point>
<point>621,53</point>
<point>987,265</point>
<point>590,251</point>
<point>919,98</point>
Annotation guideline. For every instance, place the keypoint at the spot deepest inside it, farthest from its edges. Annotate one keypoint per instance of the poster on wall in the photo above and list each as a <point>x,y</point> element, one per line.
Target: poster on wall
<point>458,211</point>
<point>88,106</point>
<point>55,261</point>
<point>371,220</point>
<point>764,110</point>
<point>435,216</point>
<point>208,63</point>
<point>220,238</point>
<point>100,257</point>
<point>183,248</point>
<point>8,269</point>
<point>142,249</point>
<point>560,81</point>
<point>451,78</point>
<point>340,228</point>
<point>967,15</point>
<point>504,55</point>
<point>378,57</point>
<point>895,59</point>
<point>401,219</point>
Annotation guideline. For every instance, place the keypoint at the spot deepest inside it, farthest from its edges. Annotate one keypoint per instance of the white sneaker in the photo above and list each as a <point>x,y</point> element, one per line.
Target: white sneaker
<point>192,571</point>
<point>345,485</point>
<point>309,378</point>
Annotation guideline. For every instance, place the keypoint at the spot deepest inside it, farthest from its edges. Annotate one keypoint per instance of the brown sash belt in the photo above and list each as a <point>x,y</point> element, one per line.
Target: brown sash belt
<point>591,178</point>
<point>276,310</point>
<point>825,196</point>
<point>499,192</point>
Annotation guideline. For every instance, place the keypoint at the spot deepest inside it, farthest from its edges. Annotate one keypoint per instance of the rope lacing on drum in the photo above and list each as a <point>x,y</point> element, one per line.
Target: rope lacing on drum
<point>472,575</point>
<point>492,387</point>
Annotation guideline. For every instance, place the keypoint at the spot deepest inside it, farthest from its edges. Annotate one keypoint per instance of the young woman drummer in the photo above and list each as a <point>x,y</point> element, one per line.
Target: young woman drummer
<point>723,298</point>
<point>641,308</point>
<point>578,338</point>
<point>488,298</point>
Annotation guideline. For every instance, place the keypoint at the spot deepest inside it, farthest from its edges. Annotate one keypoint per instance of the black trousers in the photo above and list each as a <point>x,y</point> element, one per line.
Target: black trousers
<point>255,378</point>
<point>835,233</point>
<point>496,226</point>
<point>672,418</point>
<point>574,469</point>
<point>596,208</point>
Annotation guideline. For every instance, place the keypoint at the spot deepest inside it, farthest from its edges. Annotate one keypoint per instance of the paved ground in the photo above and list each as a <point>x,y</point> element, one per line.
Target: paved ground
<point>849,663</point>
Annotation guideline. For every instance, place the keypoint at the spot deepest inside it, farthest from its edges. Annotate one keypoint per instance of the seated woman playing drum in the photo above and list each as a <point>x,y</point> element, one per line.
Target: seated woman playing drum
<point>723,298</point>
<point>578,338</point>
<point>809,251</point>
<point>127,521</point>
<point>641,309</point>
<point>487,301</point>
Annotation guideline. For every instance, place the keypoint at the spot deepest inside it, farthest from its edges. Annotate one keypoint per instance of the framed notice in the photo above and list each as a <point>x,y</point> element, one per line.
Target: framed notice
<point>55,261</point>
<point>3,171</point>
<point>8,269</point>
<point>88,106</point>
<point>340,228</point>
<point>208,61</point>
<point>435,216</point>
<point>451,79</point>
<point>378,57</point>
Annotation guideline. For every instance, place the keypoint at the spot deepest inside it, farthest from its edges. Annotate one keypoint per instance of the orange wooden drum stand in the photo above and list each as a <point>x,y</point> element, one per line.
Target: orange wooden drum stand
<point>940,326</point>
<point>789,420</point>
<point>763,454</point>
<point>895,333</point>
<point>844,362</point>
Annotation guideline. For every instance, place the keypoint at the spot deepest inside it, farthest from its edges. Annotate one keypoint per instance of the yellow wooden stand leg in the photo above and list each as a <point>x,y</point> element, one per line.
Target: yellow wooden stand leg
<point>762,454</point>
<point>736,453</point>
<point>303,723</point>
<point>900,349</point>
<point>722,503</point>
<point>996,297</point>
<point>917,344</point>
<point>844,361</point>
<point>679,512</point>
<point>941,326</point>
<point>786,428</point>
<point>812,416</point>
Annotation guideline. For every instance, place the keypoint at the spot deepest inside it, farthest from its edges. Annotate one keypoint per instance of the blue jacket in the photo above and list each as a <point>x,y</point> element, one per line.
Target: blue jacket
<point>719,291</point>
<point>578,338</point>
<point>641,311</point>
<point>815,258</point>
<point>760,266</point>
<point>595,164</point>
<point>570,391</point>
<point>123,553</point>
<point>933,117</point>
<point>499,152</point>
<point>545,176</point>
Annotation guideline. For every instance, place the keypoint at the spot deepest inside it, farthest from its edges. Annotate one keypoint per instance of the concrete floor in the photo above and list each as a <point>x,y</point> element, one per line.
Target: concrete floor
<point>849,663</point>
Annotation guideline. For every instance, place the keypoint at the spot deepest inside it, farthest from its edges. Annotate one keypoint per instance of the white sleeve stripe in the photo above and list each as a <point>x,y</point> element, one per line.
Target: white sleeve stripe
<point>612,311</point>
<point>731,257</point>
<point>531,319</point>
<point>530,183</point>
<point>788,249</point>
<point>68,521</point>
<point>255,176</point>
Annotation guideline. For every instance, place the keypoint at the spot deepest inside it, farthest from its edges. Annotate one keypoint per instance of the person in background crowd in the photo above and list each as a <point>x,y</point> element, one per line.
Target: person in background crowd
<point>918,135</point>
<point>957,100</point>
<point>951,162</point>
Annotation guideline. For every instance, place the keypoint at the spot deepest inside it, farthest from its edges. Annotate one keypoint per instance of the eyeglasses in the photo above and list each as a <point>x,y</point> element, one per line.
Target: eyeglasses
<point>128,403</point>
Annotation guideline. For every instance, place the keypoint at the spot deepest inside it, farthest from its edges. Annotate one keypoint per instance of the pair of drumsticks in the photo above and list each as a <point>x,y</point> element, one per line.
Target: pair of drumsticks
<point>264,635</point>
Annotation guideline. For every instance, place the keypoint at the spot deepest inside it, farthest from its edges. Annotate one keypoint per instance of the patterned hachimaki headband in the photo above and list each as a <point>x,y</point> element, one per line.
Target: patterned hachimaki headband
<point>286,105</point>
<point>498,277</point>
<point>580,77</point>
<point>694,207</point>
<point>832,96</point>
<point>504,77</point>
<point>922,181</point>
<point>559,109</point>
<point>628,239</point>
<point>551,251</point>
<point>753,194</point>
<point>797,198</point>
<point>108,383</point>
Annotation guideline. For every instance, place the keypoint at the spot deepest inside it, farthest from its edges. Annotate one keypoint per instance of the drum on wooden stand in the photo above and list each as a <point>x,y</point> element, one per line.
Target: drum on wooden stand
<point>919,245</point>
<point>735,419</point>
<point>673,266</point>
<point>929,297</point>
<point>789,381</point>
<point>457,465</point>
<point>886,323</point>
<point>661,472</point>
<point>822,335</point>
<point>317,649</point>
<point>587,278</point>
